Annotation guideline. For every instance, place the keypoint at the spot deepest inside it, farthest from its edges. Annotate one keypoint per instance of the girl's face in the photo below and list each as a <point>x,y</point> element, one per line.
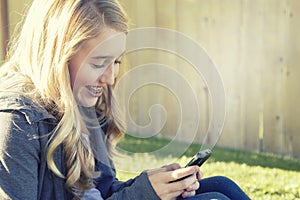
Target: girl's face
<point>96,65</point>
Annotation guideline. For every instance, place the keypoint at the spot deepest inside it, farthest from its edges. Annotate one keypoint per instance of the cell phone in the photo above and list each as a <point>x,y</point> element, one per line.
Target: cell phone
<point>199,158</point>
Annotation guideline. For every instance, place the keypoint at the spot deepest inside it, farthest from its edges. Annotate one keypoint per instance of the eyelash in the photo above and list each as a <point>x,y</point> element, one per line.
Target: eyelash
<point>101,66</point>
<point>98,66</point>
<point>118,62</point>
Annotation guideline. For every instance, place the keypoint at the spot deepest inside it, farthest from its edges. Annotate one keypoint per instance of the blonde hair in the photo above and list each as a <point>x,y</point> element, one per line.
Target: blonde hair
<point>52,33</point>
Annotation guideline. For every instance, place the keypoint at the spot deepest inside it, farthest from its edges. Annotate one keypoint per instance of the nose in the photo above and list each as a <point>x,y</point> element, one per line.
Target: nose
<point>108,75</point>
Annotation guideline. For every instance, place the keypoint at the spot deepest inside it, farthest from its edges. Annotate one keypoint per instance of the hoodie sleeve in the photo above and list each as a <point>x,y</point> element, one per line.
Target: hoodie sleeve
<point>112,189</point>
<point>139,188</point>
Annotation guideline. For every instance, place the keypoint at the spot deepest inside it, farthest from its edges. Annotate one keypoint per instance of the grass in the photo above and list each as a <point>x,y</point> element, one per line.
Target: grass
<point>261,176</point>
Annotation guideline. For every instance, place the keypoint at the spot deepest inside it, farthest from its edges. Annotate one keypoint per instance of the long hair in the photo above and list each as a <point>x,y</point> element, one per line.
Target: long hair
<point>52,33</point>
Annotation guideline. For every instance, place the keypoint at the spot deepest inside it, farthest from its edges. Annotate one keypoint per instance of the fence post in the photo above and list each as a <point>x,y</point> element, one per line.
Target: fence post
<point>4,27</point>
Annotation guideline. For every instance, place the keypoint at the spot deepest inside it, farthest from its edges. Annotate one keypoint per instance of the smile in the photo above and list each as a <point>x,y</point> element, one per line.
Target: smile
<point>95,90</point>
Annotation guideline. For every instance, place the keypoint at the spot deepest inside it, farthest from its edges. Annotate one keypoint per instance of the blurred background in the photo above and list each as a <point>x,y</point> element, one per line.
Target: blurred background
<point>254,44</point>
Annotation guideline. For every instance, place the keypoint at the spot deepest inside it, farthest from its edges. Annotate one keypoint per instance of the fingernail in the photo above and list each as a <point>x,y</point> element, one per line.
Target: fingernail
<point>198,175</point>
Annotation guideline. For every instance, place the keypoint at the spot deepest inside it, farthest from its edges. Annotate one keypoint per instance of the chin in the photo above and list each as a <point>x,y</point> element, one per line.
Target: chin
<point>86,100</point>
<point>88,103</point>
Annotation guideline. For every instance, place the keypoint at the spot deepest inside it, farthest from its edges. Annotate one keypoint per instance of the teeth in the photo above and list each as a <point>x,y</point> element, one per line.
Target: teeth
<point>96,89</point>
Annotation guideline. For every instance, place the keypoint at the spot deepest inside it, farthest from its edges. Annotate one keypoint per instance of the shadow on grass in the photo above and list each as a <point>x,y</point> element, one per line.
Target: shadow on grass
<point>140,145</point>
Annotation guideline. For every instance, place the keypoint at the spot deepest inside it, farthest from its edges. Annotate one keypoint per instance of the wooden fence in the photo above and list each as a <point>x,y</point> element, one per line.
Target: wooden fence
<point>254,44</point>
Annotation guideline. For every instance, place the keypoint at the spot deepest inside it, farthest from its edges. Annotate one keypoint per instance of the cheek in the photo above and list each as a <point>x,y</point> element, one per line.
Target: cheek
<point>78,74</point>
<point>86,75</point>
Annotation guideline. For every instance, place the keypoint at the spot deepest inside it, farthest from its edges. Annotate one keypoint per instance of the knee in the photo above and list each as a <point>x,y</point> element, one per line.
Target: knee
<point>223,180</point>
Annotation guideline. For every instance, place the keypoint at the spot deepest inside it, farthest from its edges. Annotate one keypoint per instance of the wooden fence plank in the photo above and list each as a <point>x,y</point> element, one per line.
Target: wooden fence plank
<point>292,74</point>
<point>4,33</point>
<point>250,72</point>
<point>276,27</point>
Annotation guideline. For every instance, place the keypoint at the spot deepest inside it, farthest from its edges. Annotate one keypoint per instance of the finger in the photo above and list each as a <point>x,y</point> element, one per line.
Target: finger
<point>155,171</point>
<point>193,187</point>
<point>165,191</point>
<point>183,172</point>
<point>172,167</point>
<point>186,183</point>
<point>188,194</point>
<point>199,175</point>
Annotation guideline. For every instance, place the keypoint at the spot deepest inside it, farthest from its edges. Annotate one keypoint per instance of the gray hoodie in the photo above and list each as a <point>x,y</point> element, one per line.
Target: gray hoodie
<point>24,174</point>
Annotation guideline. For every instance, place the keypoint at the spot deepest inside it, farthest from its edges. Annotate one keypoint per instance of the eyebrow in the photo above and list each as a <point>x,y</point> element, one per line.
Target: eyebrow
<point>102,57</point>
<point>107,57</point>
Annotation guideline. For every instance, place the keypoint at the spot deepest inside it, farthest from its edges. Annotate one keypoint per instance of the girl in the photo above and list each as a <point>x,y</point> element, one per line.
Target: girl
<point>59,119</point>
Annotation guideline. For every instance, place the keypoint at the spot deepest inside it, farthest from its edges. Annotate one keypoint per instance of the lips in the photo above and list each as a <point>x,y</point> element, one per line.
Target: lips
<point>95,90</point>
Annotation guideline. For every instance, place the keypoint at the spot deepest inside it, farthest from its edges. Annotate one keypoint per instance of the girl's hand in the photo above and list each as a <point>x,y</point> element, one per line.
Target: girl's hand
<point>164,182</point>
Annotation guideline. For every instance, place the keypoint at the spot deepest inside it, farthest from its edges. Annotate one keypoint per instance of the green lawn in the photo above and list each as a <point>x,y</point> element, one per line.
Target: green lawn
<point>261,176</point>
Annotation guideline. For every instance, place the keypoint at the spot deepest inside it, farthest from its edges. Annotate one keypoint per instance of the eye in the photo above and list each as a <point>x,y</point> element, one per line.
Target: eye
<point>118,62</point>
<point>98,66</point>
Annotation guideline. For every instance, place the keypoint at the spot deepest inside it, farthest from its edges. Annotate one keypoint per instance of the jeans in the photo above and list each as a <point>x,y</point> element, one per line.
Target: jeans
<point>218,188</point>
